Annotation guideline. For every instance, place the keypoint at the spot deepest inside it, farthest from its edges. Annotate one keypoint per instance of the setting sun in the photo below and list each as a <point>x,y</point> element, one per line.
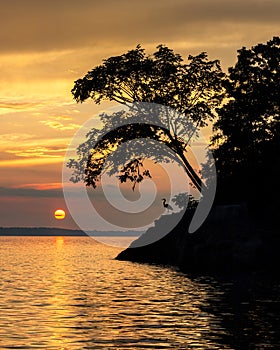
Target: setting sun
<point>59,214</point>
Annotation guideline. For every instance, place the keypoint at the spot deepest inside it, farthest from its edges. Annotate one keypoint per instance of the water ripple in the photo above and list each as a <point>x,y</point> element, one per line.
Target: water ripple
<point>76,296</point>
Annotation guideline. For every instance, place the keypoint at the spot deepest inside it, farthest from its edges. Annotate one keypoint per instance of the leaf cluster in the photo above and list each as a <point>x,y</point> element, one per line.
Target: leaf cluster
<point>185,200</point>
<point>193,88</point>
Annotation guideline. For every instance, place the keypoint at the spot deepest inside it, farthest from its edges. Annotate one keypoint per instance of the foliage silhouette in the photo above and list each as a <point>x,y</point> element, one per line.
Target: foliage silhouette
<point>184,200</point>
<point>247,139</point>
<point>193,90</point>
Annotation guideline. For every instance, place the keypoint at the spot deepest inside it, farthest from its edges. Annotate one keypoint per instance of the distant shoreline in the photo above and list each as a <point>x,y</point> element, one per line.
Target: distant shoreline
<point>53,231</point>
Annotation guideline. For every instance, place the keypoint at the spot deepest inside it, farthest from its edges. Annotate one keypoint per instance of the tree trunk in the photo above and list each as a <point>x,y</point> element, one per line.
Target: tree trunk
<point>196,180</point>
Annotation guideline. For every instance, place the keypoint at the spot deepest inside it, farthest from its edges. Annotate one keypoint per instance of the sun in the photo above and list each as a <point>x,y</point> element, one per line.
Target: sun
<point>59,214</point>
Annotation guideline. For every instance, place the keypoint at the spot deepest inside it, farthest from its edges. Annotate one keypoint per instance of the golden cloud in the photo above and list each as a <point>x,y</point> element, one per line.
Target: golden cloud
<point>26,162</point>
<point>61,118</point>
<point>60,126</point>
<point>41,186</point>
<point>38,151</point>
<point>15,137</point>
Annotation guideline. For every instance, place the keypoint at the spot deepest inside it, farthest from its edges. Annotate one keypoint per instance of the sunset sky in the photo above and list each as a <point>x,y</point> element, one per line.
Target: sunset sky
<point>46,45</point>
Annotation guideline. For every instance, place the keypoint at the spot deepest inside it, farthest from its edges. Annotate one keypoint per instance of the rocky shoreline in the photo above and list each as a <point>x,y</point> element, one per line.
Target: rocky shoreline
<point>229,241</point>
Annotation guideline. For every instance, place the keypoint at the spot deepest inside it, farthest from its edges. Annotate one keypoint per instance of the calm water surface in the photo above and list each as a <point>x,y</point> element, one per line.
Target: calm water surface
<point>70,293</point>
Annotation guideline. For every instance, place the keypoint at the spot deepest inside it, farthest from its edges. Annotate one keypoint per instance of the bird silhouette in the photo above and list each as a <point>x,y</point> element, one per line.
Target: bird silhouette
<point>166,205</point>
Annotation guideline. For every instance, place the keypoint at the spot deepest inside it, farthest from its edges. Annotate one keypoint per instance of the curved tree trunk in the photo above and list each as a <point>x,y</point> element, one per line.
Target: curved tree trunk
<point>196,180</point>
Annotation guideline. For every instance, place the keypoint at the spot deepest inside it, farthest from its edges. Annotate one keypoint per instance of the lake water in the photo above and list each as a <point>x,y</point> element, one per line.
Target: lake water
<point>70,293</point>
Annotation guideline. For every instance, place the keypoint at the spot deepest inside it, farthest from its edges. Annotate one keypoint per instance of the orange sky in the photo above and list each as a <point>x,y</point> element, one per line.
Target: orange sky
<point>46,45</point>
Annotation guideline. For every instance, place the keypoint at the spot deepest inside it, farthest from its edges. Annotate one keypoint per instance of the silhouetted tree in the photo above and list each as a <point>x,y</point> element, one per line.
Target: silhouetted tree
<point>248,128</point>
<point>193,89</point>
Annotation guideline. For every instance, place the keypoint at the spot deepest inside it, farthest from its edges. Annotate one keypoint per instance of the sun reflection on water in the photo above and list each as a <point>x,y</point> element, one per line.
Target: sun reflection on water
<point>59,241</point>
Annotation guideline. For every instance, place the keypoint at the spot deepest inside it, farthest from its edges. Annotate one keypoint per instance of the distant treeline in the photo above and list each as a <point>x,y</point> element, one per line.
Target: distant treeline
<point>46,231</point>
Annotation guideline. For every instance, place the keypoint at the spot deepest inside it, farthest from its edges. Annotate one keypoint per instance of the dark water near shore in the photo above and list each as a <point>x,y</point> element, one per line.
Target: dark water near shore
<point>70,293</point>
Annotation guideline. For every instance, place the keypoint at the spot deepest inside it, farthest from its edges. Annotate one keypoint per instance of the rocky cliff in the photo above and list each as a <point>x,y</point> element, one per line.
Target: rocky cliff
<point>230,240</point>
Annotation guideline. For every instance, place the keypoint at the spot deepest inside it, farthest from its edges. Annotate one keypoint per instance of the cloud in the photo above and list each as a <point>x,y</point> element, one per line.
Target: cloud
<point>6,106</point>
<point>61,118</point>
<point>23,149</point>
<point>33,25</point>
<point>29,141</point>
<point>60,126</point>
<point>31,154</point>
<point>41,186</point>
<point>38,151</point>
<point>17,105</point>
<point>15,137</point>
<point>29,162</point>
<point>30,192</point>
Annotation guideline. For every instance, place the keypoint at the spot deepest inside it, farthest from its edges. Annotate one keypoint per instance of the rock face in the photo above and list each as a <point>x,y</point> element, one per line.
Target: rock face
<point>229,241</point>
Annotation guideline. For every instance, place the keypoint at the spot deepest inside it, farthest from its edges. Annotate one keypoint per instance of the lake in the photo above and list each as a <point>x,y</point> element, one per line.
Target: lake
<point>69,293</point>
